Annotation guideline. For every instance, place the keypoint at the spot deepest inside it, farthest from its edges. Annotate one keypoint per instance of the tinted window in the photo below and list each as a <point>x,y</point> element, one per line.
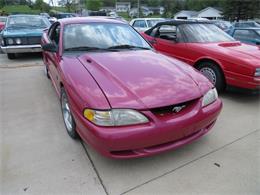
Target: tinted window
<point>204,33</point>
<point>101,35</point>
<point>140,24</point>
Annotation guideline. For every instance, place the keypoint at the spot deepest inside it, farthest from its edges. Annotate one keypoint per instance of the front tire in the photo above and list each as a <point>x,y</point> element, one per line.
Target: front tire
<point>46,71</point>
<point>67,115</point>
<point>11,56</point>
<point>212,71</point>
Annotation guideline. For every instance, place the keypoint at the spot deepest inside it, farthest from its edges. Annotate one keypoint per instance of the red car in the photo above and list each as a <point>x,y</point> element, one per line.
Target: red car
<point>119,95</point>
<point>224,61</point>
<point>2,22</point>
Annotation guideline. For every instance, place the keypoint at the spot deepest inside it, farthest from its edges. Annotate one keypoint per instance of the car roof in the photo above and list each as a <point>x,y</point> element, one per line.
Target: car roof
<point>89,19</point>
<point>149,19</point>
<point>18,15</point>
<point>247,28</point>
<point>177,22</point>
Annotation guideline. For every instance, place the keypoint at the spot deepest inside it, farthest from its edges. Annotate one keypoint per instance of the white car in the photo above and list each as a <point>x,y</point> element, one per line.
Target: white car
<point>143,24</point>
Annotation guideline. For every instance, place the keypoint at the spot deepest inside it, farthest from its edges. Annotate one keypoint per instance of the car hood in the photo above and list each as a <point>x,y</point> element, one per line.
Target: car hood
<point>140,79</point>
<point>23,32</point>
<point>241,53</point>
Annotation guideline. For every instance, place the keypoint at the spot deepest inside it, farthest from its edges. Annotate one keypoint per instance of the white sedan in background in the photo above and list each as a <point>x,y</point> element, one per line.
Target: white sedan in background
<point>143,24</point>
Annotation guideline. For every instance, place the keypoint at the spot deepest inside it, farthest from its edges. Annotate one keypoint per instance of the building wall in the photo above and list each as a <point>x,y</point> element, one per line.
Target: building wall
<point>210,14</point>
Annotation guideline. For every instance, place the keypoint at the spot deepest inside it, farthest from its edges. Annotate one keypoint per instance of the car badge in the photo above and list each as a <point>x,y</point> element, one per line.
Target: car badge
<point>177,109</point>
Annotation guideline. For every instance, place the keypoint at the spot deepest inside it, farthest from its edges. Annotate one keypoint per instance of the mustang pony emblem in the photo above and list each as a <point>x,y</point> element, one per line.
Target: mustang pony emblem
<point>177,109</point>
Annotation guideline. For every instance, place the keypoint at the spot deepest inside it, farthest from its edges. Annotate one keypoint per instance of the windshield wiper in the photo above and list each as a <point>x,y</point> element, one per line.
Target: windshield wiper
<point>128,47</point>
<point>37,26</point>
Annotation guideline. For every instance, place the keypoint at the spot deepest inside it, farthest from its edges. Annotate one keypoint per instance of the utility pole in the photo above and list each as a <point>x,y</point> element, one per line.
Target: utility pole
<point>138,8</point>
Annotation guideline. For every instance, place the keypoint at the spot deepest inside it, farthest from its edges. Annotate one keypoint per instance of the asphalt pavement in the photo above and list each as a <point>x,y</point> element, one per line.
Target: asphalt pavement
<point>38,157</point>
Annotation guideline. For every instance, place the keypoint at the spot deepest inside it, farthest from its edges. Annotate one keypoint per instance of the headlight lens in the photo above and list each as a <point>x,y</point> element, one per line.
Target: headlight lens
<point>115,117</point>
<point>210,97</point>
<point>10,41</point>
<point>257,72</point>
<point>18,41</point>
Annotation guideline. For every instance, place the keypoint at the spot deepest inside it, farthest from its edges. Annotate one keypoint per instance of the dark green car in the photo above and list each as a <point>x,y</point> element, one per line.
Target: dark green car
<point>22,34</point>
<point>247,35</point>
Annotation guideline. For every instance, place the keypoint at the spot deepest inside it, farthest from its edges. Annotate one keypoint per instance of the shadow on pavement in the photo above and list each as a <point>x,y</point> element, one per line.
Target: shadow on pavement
<point>240,97</point>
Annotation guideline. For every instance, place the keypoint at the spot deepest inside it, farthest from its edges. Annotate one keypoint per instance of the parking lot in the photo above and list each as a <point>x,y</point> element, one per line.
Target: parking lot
<point>38,157</point>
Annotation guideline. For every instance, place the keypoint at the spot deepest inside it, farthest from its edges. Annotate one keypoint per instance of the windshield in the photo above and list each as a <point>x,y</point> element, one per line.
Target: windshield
<point>102,36</point>
<point>246,24</point>
<point>2,19</point>
<point>27,22</point>
<point>152,23</point>
<point>205,33</point>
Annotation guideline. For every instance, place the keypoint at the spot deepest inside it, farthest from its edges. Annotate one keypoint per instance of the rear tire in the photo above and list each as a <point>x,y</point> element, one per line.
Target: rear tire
<point>67,115</point>
<point>11,56</point>
<point>215,75</point>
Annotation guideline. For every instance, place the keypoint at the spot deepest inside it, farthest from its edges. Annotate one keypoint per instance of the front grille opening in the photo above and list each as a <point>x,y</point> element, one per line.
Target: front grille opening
<point>172,109</point>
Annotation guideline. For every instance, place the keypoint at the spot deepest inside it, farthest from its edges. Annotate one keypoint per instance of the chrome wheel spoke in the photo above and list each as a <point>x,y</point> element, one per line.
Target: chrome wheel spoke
<point>210,74</point>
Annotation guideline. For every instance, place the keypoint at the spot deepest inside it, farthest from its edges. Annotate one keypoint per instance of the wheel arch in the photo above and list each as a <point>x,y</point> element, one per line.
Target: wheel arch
<point>216,62</point>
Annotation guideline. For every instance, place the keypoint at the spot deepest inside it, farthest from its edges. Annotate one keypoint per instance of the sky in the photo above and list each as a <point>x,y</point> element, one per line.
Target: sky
<point>54,1</point>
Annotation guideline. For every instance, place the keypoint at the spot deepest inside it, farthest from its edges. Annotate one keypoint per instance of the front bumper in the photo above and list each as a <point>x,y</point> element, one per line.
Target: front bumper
<point>21,48</point>
<point>236,80</point>
<point>161,134</point>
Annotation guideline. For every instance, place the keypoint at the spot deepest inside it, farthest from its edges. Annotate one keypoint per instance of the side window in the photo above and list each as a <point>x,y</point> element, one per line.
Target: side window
<point>168,32</point>
<point>179,36</point>
<point>244,34</point>
<point>139,23</point>
<point>54,34</point>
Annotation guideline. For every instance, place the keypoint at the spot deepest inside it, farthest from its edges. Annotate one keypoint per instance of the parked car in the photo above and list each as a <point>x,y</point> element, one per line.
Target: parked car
<point>224,61</point>
<point>51,19</point>
<point>64,15</point>
<point>143,24</point>
<point>247,35</point>
<point>246,24</point>
<point>22,34</point>
<point>2,22</point>
<point>119,95</point>
<point>223,25</point>
<point>133,13</point>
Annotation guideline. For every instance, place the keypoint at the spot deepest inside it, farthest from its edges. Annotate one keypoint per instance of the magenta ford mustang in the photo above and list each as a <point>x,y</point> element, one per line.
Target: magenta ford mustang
<point>119,95</point>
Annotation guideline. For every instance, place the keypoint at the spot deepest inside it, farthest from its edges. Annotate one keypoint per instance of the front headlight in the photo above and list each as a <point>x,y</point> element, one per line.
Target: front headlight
<point>10,41</point>
<point>115,117</point>
<point>210,97</point>
<point>2,42</point>
<point>18,41</point>
<point>257,72</point>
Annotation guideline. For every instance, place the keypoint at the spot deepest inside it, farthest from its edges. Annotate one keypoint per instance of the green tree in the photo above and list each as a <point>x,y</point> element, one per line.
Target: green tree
<point>94,5</point>
<point>153,3</point>
<point>41,5</point>
<point>2,3</point>
<point>241,9</point>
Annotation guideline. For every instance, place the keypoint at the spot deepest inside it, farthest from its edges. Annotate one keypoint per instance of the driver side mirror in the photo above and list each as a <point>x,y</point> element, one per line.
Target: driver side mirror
<point>50,47</point>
